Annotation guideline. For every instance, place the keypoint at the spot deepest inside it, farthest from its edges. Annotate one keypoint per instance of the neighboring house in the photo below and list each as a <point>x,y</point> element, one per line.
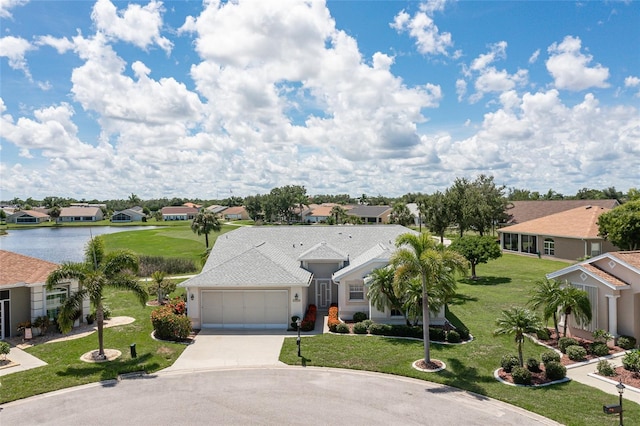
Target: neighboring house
<point>179,213</point>
<point>28,217</point>
<point>23,296</point>
<point>215,209</point>
<point>100,206</point>
<point>612,281</point>
<point>524,211</point>
<point>371,214</point>
<point>81,214</point>
<point>319,213</point>
<point>259,277</point>
<point>569,235</point>
<point>235,213</point>
<point>128,215</point>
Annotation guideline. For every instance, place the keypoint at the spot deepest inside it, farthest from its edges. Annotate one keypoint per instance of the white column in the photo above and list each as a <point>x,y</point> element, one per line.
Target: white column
<point>613,313</point>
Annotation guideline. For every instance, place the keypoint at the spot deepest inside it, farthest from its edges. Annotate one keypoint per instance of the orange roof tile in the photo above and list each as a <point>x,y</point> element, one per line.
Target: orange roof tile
<point>581,222</point>
<point>524,211</point>
<point>16,269</point>
<point>606,276</point>
<point>630,257</point>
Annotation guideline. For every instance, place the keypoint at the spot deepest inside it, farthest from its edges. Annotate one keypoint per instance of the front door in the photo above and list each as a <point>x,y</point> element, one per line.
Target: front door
<point>4,318</point>
<point>323,293</point>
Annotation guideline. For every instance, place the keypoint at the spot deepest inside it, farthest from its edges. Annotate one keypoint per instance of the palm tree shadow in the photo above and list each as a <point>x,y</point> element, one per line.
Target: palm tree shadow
<point>461,299</point>
<point>486,281</point>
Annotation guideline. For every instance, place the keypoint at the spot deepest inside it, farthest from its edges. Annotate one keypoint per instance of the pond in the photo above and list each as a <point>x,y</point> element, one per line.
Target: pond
<point>58,244</point>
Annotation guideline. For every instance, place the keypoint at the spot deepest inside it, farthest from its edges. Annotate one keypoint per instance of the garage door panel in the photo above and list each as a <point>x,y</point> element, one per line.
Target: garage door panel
<point>245,309</point>
<point>212,307</point>
<point>233,307</point>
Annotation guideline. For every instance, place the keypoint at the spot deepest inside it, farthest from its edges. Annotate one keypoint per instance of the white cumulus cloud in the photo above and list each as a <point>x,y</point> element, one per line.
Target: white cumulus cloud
<point>570,67</point>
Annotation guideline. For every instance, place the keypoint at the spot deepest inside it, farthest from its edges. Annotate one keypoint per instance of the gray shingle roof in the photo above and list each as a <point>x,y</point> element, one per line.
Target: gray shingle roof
<point>323,251</point>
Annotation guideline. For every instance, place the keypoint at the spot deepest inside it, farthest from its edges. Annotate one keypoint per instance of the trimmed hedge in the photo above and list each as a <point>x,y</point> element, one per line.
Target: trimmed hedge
<point>627,342</point>
<point>437,334</point>
<point>565,342</point>
<point>453,337</point>
<point>543,334</point>
<point>309,320</point>
<point>631,361</point>
<point>343,328</point>
<point>576,352</point>
<point>553,370</point>
<point>606,369</point>
<point>509,362</point>
<point>599,349</point>
<point>533,365</point>
<point>359,317</point>
<point>170,321</point>
<point>379,329</point>
<point>521,376</point>
<point>333,321</point>
<point>550,356</point>
<point>360,328</point>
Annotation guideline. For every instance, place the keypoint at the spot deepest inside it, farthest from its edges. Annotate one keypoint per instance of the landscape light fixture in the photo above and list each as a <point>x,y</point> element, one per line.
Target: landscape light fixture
<point>296,298</point>
<point>620,388</point>
<point>192,296</point>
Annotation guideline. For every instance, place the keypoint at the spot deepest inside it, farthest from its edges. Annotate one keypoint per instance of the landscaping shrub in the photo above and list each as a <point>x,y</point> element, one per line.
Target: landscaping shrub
<point>170,321</point>
<point>379,329</point>
<point>533,365</point>
<point>464,333</point>
<point>509,362</point>
<point>631,361</point>
<point>168,265</point>
<point>543,334</point>
<point>606,369</point>
<point>453,337</point>
<point>627,342</point>
<point>599,349</point>
<point>368,323</point>
<point>309,320</point>
<point>342,328</point>
<point>521,376</point>
<point>333,321</point>
<point>436,334</point>
<point>576,352</point>
<point>4,349</point>
<point>360,328</point>
<point>359,317</point>
<point>550,356</point>
<point>553,370</point>
<point>564,342</point>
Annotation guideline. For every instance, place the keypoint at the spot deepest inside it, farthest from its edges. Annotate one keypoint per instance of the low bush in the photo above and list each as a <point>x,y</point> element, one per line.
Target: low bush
<point>553,370</point>
<point>606,369</point>
<point>576,352</point>
<point>436,334</point>
<point>379,329</point>
<point>550,356</point>
<point>521,376</point>
<point>4,349</point>
<point>627,342</point>
<point>533,365</point>
<point>464,333</point>
<point>170,321</point>
<point>359,317</point>
<point>332,320</point>
<point>599,349</point>
<point>368,323</point>
<point>565,342</point>
<point>309,320</point>
<point>343,328</point>
<point>543,334</point>
<point>631,361</point>
<point>509,362</point>
<point>360,328</point>
<point>453,337</point>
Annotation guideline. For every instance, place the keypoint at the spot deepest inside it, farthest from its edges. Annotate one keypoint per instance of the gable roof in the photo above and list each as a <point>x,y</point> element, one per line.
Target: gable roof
<point>323,251</point>
<point>178,210</point>
<point>234,210</point>
<point>79,211</point>
<point>368,211</point>
<point>378,253</point>
<point>581,222</point>
<point>18,270</point>
<point>524,211</point>
<point>32,213</point>
<point>628,259</point>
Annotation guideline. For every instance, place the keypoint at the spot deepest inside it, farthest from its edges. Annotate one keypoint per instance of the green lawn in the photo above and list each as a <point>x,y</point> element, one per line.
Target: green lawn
<point>504,283</point>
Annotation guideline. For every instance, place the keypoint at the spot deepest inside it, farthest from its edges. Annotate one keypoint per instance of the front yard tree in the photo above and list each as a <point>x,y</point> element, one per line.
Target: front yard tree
<point>477,249</point>
<point>435,213</point>
<point>204,223</point>
<point>517,322</point>
<point>95,274</point>
<point>418,255</point>
<point>621,226</point>
<point>546,294</point>
<point>573,301</point>
<point>55,212</point>
<point>382,292</point>
<point>401,214</point>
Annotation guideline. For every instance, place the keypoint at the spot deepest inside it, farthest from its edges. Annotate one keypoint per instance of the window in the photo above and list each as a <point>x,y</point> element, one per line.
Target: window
<point>55,298</point>
<point>549,247</point>
<point>356,292</point>
<point>396,313</point>
<point>510,242</point>
<point>529,244</point>
<point>596,249</point>
<point>593,298</point>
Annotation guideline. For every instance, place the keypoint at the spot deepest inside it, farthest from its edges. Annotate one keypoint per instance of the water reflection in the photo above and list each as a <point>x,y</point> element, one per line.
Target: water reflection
<point>58,244</point>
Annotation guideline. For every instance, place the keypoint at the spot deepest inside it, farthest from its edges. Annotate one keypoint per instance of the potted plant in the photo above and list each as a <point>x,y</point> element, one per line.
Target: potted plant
<point>42,323</point>
<point>25,328</point>
<point>90,318</point>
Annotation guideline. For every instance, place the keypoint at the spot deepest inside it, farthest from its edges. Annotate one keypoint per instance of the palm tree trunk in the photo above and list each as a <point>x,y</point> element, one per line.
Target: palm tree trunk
<point>100,321</point>
<point>520,352</point>
<point>555,325</point>
<point>206,239</point>
<point>425,319</point>
<point>566,321</point>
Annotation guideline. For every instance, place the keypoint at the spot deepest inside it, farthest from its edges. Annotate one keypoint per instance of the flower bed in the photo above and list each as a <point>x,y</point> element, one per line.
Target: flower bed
<point>553,340</point>
<point>309,320</point>
<point>333,320</point>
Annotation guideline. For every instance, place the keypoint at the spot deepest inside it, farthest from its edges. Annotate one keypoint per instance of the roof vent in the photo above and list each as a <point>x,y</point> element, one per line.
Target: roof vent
<point>587,207</point>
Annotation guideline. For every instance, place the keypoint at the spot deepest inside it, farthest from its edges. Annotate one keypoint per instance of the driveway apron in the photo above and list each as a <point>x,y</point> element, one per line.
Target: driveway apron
<point>231,348</point>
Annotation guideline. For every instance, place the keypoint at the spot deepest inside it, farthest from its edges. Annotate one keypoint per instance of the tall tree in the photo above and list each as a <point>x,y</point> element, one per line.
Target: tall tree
<point>401,214</point>
<point>55,212</point>
<point>435,265</point>
<point>621,226</point>
<point>253,206</point>
<point>546,295</point>
<point>435,213</point>
<point>95,274</point>
<point>573,301</point>
<point>339,214</point>
<point>382,292</point>
<point>204,223</point>
<point>517,322</point>
<point>477,249</point>
<point>134,200</point>
<point>456,203</point>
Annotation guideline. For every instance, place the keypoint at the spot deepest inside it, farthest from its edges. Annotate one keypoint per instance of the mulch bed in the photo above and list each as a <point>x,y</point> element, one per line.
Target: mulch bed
<point>537,378</point>
<point>564,360</point>
<point>434,364</point>
<point>629,378</point>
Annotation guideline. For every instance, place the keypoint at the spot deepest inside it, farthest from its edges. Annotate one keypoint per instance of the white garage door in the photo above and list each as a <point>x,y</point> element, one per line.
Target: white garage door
<point>245,309</point>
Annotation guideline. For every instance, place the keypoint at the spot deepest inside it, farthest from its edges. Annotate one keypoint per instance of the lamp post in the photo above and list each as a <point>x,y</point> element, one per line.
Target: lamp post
<point>298,324</point>
<point>620,388</point>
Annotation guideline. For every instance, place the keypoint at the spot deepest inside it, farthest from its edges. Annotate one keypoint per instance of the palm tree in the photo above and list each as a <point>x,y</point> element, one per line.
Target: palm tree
<point>339,213</point>
<point>517,322</point>
<point>98,271</point>
<point>204,223</point>
<point>547,295</point>
<point>159,285</point>
<point>54,212</point>
<point>574,301</point>
<point>381,291</point>
<point>419,256</point>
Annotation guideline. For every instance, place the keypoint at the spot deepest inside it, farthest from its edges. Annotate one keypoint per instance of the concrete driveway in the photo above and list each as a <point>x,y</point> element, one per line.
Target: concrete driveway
<point>214,349</point>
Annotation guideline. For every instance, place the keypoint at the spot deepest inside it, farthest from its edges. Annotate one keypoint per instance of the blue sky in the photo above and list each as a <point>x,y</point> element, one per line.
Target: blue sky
<point>101,99</point>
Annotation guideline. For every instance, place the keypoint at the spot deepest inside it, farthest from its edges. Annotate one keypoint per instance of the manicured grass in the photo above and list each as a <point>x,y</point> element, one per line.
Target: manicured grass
<point>504,283</point>
<point>65,369</point>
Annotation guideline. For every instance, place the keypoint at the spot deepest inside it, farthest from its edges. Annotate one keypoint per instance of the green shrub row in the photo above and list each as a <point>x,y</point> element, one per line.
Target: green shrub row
<point>631,360</point>
<point>168,265</point>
